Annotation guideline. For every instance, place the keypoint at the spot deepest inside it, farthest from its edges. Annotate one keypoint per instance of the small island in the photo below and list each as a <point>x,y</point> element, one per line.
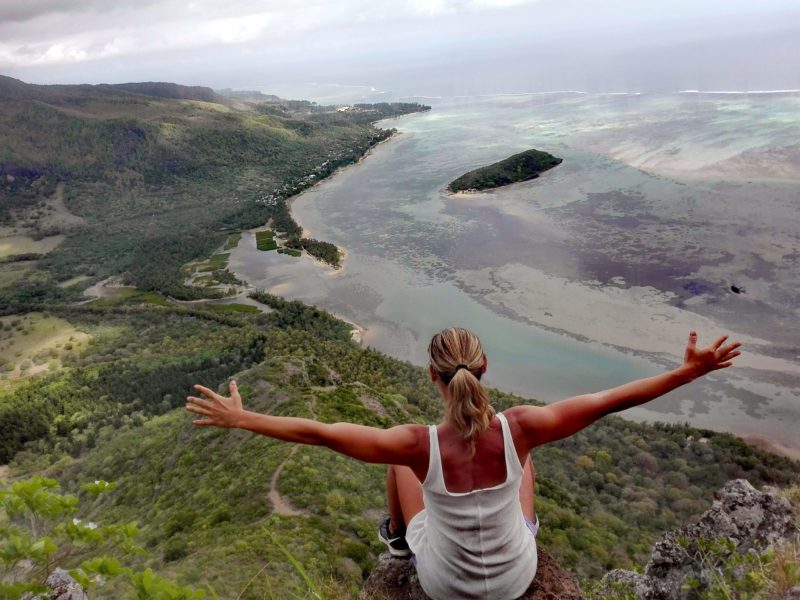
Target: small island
<point>520,167</point>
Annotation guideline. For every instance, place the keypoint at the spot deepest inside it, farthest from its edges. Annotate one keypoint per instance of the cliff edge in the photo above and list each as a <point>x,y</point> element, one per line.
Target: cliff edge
<point>687,562</point>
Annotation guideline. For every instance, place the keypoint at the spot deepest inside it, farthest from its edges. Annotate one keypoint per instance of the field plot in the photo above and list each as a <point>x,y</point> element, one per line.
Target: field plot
<point>215,263</point>
<point>265,240</point>
<point>35,343</point>
<point>234,308</point>
<point>13,272</point>
<point>22,244</point>
<point>118,296</point>
<point>233,241</point>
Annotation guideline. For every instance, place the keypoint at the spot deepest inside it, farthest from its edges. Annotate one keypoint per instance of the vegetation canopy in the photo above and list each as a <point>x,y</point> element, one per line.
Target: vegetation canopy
<point>519,167</point>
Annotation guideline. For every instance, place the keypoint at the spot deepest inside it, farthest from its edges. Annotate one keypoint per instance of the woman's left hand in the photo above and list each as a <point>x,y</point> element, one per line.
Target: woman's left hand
<point>218,410</point>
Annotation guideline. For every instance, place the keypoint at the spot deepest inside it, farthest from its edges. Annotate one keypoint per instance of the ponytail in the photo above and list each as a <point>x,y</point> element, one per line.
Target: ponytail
<point>468,410</point>
<point>457,357</point>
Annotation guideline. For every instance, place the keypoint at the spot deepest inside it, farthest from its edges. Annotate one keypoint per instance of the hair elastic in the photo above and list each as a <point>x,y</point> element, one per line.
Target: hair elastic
<point>462,367</point>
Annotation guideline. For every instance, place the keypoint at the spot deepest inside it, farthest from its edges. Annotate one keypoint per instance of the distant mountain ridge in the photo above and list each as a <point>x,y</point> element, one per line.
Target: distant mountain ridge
<point>249,95</point>
<point>163,89</point>
<point>14,89</point>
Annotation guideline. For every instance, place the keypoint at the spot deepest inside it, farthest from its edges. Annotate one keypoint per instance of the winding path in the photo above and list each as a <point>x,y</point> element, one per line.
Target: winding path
<point>281,505</point>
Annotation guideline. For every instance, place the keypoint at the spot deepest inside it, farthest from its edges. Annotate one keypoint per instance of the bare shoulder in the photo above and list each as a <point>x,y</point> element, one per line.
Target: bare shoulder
<point>526,422</point>
<point>523,414</point>
<point>411,435</point>
<point>413,442</point>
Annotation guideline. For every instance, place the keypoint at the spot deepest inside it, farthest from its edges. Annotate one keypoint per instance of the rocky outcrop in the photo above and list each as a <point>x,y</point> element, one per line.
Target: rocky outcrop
<point>793,594</point>
<point>64,587</point>
<point>396,579</point>
<point>741,519</point>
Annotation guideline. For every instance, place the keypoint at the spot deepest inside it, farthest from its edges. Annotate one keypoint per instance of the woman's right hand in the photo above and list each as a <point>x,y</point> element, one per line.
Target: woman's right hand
<point>218,410</point>
<point>719,355</point>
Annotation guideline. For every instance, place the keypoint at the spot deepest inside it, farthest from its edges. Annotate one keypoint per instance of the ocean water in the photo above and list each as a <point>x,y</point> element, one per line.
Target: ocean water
<point>590,275</point>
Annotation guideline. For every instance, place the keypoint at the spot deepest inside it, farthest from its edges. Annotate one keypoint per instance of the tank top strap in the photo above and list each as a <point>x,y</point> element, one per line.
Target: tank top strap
<point>513,465</point>
<point>435,476</point>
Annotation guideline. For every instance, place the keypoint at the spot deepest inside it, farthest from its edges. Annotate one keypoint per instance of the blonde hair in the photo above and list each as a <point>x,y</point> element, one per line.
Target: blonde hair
<point>457,357</point>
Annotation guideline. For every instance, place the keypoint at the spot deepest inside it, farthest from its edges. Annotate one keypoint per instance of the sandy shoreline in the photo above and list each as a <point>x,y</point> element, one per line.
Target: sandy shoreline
<point>637,319</point>
<point>305,232</point>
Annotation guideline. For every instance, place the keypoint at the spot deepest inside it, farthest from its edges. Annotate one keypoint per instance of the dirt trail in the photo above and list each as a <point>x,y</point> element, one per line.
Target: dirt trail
<point>58,215</point>
<point>280,504</point>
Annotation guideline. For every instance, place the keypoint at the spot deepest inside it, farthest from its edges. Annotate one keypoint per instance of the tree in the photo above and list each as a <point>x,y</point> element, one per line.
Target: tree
<point>42,533</point>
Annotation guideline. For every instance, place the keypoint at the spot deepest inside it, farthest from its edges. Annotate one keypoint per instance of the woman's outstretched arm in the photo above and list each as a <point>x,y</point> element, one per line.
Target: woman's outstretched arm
<point>543,424</point>
<point>399,445</point>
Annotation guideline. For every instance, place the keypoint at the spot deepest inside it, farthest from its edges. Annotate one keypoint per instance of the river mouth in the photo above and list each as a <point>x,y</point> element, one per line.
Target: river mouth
<point>588,276</point>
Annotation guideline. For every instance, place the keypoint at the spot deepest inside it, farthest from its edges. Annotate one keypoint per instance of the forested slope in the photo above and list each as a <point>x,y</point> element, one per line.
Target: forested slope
<point>152,179</point>
<point>201,495</point>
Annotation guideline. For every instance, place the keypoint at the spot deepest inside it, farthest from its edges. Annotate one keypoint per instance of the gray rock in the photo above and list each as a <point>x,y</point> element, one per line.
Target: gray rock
<point>620,579</point>
<point>792,594</point>
<point>64,586</point>
<point>750,519</point>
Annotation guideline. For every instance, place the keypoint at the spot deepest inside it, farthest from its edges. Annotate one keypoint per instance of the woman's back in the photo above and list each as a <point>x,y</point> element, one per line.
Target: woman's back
<point>473,543</point>
<point>464,471</point>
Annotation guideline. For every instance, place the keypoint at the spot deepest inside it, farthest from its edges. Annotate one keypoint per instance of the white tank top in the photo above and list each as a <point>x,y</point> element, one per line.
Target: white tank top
<point>472,544</point>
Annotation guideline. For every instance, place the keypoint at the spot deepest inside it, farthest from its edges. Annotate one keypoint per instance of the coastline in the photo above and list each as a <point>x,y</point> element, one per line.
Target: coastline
<point>358,331</point>
<point>305,232</point>
<point>642,323</point>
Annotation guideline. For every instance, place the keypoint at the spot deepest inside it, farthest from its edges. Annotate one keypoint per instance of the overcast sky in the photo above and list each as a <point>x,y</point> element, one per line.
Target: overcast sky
<point>408,47</point>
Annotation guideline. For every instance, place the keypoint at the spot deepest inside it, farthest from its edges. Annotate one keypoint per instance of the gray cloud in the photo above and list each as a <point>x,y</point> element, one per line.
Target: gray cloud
<point>410,46</point>
<point>19,12</point>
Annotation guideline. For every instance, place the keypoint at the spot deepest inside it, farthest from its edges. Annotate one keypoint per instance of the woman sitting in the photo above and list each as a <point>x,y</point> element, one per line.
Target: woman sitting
<point>460,493</point>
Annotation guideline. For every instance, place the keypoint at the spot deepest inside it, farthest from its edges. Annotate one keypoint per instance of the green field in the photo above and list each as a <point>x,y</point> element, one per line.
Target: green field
<point>216,263</point>
<point>127,296</point>
<point>21,244</point>
<point>36,343</point>
<point>234,308</point>
<point>233,241</point>
<point>265,240</point>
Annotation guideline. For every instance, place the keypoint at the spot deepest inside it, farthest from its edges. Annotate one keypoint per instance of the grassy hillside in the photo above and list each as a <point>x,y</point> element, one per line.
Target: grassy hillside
<point>142,178</point>
<point>519,167</point>
<point>202,496</point>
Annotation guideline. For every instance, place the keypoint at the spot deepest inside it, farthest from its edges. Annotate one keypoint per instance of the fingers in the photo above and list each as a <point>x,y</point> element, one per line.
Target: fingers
<point>199,401</point>
<point>207,392</point>
<point>727,353</point>
<point>203,422</point>
<point>692,339</point>
<point>720,340</point>
<point>233,388</point>
<point>724,365</point>
<point>198,410</point>
<point>729,348</point>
